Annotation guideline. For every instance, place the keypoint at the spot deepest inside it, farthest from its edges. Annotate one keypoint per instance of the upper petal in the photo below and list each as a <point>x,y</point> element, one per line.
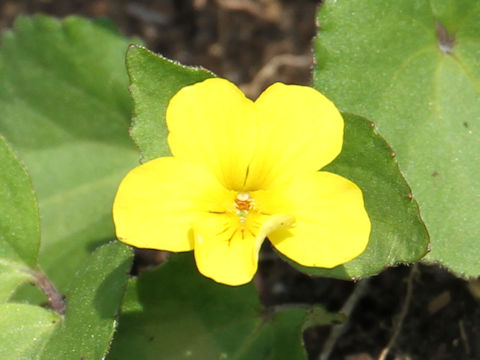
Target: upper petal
<point>157,203</point>
<point>332,225</point>
<point>212,123</point>
<point>300,130</point>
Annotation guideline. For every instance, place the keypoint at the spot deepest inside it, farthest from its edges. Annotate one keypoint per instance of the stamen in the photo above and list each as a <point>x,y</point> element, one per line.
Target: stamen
<point>243,204</point>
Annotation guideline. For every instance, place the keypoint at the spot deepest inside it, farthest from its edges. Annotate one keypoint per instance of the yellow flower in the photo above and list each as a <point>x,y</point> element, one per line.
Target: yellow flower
<point>242,171</point>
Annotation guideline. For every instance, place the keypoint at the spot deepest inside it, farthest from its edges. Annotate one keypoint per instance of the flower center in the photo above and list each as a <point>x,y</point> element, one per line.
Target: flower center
<point>243,205</point>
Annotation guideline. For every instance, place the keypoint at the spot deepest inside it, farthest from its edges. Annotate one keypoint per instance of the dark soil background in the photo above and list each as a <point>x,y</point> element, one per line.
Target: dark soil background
<point>418,312</point>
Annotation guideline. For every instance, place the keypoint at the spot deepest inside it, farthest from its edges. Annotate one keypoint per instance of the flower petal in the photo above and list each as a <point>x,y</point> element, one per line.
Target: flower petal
<point>223,252</point>
<point>157,203</point>
<point>332,225</point>
<point>212,123</point>
<point>300,130</point>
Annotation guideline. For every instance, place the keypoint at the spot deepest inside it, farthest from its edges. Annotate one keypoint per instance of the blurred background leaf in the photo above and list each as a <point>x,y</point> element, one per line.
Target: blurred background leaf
<point>24,330</point>
<point>19,224</point>
<point>66,110</point>
<point>412,68</point>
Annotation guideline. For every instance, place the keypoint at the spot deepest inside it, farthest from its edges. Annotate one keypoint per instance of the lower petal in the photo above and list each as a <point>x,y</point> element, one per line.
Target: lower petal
<point>223,252</point>
<point>157,203</point>
<point>332,225</point>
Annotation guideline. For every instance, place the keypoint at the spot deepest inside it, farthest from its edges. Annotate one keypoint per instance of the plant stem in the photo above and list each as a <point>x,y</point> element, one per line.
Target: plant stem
<point>55,299</point>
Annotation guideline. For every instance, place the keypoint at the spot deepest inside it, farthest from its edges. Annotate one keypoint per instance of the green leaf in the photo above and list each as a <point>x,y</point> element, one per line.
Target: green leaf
<point>154,80</point>
<point>19,223</point>
<point>319,316</point>
<point>92,304</point>
<point>24,329</point>
<point>11,278</point>
<point>65,108</point>
<point>398,233</point>
<point>412,68</point>
<point>176,312</point>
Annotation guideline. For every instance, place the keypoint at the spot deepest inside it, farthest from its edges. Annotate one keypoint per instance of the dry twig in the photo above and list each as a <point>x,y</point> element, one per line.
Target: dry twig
<point>268,71</point>
<point>403,313</point>
<point>248,6</point>
<point>347,309</point>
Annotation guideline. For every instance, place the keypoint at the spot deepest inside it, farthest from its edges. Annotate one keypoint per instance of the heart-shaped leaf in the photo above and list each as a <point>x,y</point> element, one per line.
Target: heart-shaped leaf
<point>412,68</point>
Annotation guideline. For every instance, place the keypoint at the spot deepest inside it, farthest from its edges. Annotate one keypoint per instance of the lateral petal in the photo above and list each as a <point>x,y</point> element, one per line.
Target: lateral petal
<point>300,130</point>
<point>157,203</point>
<point>332,225</point>
<point>212,124</point>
